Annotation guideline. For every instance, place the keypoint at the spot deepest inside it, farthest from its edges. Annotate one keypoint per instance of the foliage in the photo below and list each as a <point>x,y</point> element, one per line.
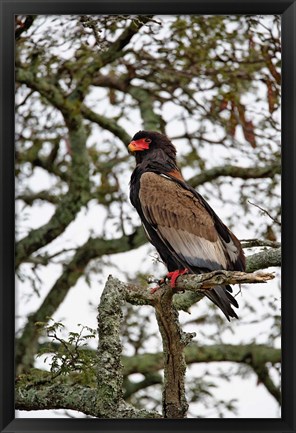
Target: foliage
<point>69,356</point>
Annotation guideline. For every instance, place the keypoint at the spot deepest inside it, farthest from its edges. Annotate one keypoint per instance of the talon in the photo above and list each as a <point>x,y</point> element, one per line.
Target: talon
<point>154,289</point>
<point>174,275</point>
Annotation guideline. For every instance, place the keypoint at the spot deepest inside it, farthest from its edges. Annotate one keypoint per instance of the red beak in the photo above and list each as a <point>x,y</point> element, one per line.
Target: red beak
<point>138,145</point>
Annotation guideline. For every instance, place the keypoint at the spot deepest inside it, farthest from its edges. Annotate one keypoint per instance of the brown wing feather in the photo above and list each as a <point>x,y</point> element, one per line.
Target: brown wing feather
<point>170,205</point>
<point>181,220</point>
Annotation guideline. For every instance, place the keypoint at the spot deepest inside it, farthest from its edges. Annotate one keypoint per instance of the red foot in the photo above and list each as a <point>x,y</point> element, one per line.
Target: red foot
<point>174,275</point>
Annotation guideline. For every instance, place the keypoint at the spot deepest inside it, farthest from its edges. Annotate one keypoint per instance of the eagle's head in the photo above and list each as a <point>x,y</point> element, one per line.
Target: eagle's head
<point>146,143</point>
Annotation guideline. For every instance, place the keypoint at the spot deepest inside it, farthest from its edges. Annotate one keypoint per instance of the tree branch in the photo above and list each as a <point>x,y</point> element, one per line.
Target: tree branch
<point>264,211</point>
<point>110,374</point>
<point>194,353</point>
<point>235,171</point>
<point>93,248</point>
<point>109,366</point>
<point>106,401</point>
<point>251,243</point>
<point>75,397</point>
<point>66,211</point>
<point>41,195</point>
<point>195,285</point>
<point>23,26</point>
<point>174,341</point>
<point>79,187</point>
<point>151,120</point>
<point>202,282</point>
<point>96,247</point>
<point>264,377</point>
<point>114,52</point>
<point>131,388</point>
<point>46,88</point>
<point>106,123</point>
<point>255,262</point>
<point>264,259</point>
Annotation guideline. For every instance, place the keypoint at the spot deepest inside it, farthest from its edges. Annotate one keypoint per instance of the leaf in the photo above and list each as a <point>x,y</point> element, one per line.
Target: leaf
<point>223,104</point>
<point>247,125</point>
<point>271,96</point>
<point>231,127</point>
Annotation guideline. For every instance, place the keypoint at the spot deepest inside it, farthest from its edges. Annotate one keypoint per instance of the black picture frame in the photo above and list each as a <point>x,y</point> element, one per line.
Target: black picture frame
<point>9,8</point>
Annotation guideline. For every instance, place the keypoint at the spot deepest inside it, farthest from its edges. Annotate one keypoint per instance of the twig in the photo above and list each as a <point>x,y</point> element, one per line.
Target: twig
<point>267,213</point>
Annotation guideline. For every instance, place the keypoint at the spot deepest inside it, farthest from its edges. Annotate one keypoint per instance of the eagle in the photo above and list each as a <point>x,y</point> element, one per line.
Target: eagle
<point>182,226</point>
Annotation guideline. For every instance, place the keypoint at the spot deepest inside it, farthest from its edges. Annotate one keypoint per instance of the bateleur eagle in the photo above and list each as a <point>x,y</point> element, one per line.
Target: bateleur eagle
<point>184,229</point>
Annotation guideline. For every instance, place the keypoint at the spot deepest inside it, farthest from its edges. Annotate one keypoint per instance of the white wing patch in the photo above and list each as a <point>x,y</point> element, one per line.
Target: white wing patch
<point>193,247</point>
<point>165,176</point>
<point>231,249</point>
<point>146,231</point>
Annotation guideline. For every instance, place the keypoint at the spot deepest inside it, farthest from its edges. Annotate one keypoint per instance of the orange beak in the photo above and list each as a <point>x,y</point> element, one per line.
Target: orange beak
<point>138,145</point>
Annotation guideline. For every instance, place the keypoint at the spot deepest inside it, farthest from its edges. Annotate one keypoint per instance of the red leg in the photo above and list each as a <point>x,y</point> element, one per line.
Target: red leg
<point>174,275</point>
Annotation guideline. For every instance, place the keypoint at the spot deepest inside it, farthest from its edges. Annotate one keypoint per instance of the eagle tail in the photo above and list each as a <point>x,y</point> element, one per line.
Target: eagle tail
<point>224,300</point>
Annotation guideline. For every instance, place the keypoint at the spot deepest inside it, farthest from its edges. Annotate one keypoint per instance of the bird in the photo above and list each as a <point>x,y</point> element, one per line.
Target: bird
<point>187,233</point>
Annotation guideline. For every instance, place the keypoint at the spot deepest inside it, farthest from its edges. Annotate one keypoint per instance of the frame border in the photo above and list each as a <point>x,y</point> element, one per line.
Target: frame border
<point>287,8</point>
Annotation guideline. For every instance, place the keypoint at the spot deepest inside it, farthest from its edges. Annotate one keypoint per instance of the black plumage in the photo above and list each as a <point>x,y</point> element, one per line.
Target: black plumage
<point>181,225</point>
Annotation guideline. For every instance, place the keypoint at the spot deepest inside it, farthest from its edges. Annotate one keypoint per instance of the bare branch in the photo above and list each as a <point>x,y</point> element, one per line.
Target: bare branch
<point>183,301</point>
<point>22,25</point>
<point>197,283</point>
<point>174,341</point>
<point>267,213</point>
<point>235,172</point>
<point>264,377</point>
<point>209,280</point>
<point>41,195</point>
